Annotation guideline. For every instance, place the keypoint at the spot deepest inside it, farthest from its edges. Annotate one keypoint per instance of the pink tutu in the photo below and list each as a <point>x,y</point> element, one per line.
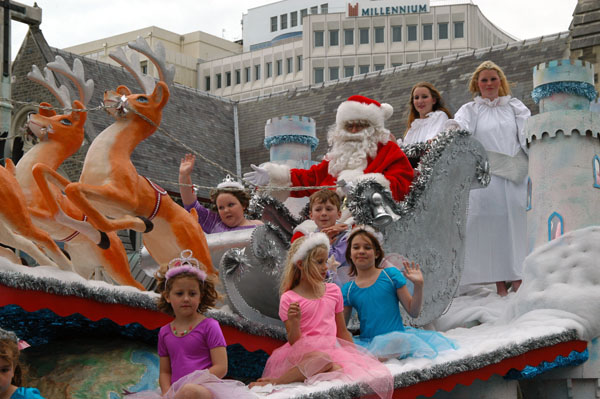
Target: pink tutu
<point>221,389</point>
<point>317,351</point>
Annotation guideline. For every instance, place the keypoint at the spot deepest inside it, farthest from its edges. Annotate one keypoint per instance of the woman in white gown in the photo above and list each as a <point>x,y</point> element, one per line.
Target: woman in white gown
<point>427,114</point>
<point>496,223</point>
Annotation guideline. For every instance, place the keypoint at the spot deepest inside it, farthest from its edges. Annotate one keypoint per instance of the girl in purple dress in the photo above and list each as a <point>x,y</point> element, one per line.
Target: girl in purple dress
<point>192,349</point>
<point>319,345</point>
<point>230,199</point>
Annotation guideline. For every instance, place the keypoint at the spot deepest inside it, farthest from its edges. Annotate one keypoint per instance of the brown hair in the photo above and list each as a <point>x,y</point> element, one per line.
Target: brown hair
<point>504,89</point>
<point>323,196</point>
<point>438,106</point>
<point>208,291</point>
<point>291,274</point>
<point>379,254</point>
<point>241,196</point>
<point>9,351</point>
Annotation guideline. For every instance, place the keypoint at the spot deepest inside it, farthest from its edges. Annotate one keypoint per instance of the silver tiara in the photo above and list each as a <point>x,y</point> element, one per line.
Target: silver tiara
<point>230,182</point>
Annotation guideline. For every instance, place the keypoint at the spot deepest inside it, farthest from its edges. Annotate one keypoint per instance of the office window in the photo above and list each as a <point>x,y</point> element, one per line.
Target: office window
<point>349,37</point>
<point>363,69</point>
<point>427,32</point>
<point>459,30</point>
<point>238,76</point>
<point>334,37</point>
<point>268,70</point>
<point>293,18</point>
<point>247,74</point>
<point>318,75</point>
<point>289,64</point>
<point>394,65</point>
<point>324,8</point>
<point>303,13</point>
<point>207,83</point>
<point>314,10</point>
<point>412,33</point>
<point>227,79</point>
<point>334,73</point>
<point>273,24</point>
<point>279,67</point>
<point>379,34</point>
<point>318,38</point>
<point>379,67</point>
<point>283,21</point>
<point>218,81</point>
<point>299,58</point>
<point>443,30</point>
<point>348,71</point>
<point>397,33</point>
<point>364,35</point>
<point>257,72</point>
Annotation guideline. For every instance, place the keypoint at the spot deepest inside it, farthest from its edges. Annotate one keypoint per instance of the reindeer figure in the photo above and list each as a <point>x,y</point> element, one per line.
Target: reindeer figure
<point>60,136</point>
<point>110,191</point>
<point>16,228</point>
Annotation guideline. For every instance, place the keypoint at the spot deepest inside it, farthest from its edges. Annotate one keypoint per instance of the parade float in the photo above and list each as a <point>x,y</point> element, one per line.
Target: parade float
<point>91,339</point>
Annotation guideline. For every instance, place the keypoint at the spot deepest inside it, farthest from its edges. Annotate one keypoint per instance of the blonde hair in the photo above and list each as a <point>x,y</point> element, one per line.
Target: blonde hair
<point>291,275</point>
<point>504,89</point>
<point>9,352</point>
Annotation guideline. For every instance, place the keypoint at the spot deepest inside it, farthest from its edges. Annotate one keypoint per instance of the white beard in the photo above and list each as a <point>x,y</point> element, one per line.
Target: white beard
<point>349,151</point>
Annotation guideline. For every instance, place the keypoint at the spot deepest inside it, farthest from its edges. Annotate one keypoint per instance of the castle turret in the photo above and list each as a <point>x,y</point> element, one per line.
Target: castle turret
<point>564,152</point>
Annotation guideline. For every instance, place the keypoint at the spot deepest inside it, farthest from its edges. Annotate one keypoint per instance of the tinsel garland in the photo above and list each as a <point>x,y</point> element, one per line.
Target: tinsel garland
<point>429,153</point>
<point>573,359</point>
<point>446,369</point>
<point>313,142</point>
<point>51,285</point>
<point>581,89</point>
<point>266,208</point>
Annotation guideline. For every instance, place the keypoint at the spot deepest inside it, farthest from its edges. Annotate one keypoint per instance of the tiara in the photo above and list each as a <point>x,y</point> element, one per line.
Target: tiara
<point>185,264</point>
<point>229,182</point>
<point>312,240</point>
<point>367,228</point>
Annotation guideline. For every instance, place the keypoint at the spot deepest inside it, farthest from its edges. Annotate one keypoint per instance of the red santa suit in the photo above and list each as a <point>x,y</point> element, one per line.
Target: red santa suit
<point>390,168</point>
<point>384,161</point>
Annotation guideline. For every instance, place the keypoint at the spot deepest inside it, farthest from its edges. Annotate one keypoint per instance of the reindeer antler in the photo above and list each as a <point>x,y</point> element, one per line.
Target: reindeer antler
<point>47,80</point>
<point>132,64</point>
<point>76,75</point>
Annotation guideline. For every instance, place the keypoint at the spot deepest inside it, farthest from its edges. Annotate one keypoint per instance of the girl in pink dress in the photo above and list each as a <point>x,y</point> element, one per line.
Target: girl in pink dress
<point>319,346</point>
<point>192,349</point>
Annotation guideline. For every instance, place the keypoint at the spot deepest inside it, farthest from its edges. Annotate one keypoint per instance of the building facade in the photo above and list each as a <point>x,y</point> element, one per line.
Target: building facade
<point>285,52</point>
<point>186,52</point>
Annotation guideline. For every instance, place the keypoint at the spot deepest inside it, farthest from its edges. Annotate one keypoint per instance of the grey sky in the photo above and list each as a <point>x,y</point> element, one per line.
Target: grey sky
<point>69,22</point>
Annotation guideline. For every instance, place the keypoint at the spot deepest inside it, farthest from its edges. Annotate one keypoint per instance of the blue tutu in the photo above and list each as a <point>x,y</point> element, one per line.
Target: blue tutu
<point>412,342</point>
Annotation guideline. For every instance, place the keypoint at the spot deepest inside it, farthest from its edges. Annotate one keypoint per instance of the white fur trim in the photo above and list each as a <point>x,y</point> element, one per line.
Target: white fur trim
<point>353,110</point>
<point>279,176</point>
<point>349,175</point>
<point>306,227</point>
<point>311,241</point>
<point>378,177</point>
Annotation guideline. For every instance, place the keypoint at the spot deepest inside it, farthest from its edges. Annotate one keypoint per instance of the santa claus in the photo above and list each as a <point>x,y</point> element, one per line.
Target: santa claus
<point>360,149</point>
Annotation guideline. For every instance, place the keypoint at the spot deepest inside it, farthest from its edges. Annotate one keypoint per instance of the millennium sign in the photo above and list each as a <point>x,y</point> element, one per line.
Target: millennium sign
<point>375,8</point>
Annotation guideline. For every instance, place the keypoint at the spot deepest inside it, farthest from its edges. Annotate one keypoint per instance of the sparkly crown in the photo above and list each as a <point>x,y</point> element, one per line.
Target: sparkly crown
<point>230,182</point>
<point>185,264</point>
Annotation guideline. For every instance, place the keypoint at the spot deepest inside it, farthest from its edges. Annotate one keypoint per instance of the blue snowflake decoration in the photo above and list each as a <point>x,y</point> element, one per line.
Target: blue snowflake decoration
<point>313,142</point>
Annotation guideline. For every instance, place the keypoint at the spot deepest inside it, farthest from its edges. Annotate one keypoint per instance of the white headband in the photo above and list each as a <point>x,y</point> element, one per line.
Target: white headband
<point>311,241</point>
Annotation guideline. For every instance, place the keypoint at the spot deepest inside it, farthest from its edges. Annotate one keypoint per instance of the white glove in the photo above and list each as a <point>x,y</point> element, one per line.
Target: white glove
<point>260,176</point>
<point>347,186</point>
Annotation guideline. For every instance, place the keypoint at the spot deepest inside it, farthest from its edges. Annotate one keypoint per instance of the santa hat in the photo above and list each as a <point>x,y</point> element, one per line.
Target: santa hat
<point>363,108</point>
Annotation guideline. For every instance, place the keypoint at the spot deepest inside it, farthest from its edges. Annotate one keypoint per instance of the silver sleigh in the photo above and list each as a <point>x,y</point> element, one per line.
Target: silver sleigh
<point>427,227</point>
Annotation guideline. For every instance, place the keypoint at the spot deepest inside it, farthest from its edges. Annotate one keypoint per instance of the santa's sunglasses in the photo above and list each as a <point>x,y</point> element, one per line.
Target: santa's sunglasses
<point>356,126</point>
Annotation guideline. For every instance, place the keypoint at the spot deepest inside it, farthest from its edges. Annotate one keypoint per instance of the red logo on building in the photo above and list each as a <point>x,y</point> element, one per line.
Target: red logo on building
<point>352,11</point>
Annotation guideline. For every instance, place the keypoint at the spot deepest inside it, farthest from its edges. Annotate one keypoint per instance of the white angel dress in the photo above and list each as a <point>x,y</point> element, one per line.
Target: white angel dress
<point>496,223</point>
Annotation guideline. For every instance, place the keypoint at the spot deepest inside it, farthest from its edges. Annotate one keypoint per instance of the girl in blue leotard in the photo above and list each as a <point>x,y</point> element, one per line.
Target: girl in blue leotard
<point>375,294</point>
